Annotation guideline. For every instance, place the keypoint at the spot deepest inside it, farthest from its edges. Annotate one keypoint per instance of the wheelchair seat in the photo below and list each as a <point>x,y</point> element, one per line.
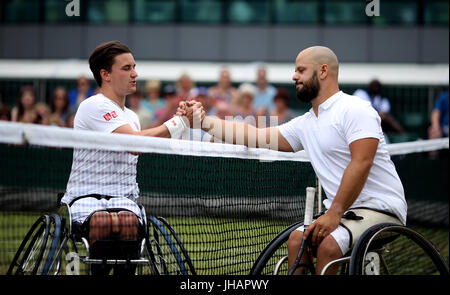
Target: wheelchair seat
<point>106,251</point>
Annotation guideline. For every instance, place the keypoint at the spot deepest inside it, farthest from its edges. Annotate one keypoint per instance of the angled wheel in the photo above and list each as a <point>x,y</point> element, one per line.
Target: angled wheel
<point>273,259</point>
<point>391,249</point>
<point>54,244</point>
<point>65,258</point>
<point>29,256</point>
<point>170,257</point>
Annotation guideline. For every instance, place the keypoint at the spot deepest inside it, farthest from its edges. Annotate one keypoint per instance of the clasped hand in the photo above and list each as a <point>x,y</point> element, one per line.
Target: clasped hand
<point>193,111</point>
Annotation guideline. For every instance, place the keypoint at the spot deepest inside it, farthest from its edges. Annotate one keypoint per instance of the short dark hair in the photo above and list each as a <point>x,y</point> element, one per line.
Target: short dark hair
<point>103,57</point>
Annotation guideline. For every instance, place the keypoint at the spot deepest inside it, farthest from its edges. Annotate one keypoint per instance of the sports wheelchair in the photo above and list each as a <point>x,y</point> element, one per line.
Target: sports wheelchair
<point>55,245</point>
<point>382,249</point>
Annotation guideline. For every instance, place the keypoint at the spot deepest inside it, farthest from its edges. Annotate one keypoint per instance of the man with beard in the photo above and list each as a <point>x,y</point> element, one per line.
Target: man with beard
<point>342,136</point>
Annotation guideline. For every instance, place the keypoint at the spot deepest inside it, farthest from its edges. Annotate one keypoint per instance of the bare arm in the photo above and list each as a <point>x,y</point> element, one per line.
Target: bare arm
<point>435,117</point>
<point>353,180</point>
<point>391,122</point>
<point>194,113</point>
<point>160,131</point>
<point>245,134</point>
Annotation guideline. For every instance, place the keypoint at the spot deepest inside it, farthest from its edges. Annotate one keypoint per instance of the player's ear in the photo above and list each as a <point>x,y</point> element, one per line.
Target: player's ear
<point>323,71</point>
<point>105,75</point>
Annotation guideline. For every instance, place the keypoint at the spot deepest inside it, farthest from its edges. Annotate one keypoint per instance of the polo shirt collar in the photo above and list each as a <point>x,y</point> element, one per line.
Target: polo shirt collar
<point>327,103</point>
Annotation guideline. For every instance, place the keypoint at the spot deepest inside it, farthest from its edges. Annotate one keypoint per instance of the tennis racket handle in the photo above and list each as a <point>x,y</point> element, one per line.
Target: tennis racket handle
<point>309,206</point>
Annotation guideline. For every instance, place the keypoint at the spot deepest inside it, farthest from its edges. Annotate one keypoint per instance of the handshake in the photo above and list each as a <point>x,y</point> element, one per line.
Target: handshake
<point>189,114</point>
<point>192,112</point>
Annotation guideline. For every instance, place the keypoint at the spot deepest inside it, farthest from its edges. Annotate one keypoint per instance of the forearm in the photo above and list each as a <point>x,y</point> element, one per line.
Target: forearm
<point>352,183</point>
<point>435,116</point>
<point>228,131</point>
<point>160,131</point>
<point>240,133</point>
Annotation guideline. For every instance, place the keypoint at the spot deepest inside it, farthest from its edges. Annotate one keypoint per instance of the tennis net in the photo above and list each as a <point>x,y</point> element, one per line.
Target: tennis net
<point>225,202</point>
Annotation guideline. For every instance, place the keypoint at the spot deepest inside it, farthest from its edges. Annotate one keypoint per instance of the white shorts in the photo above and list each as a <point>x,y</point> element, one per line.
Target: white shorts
<point>340,235</point>
<point>370,217</point>
<point>81,209</point>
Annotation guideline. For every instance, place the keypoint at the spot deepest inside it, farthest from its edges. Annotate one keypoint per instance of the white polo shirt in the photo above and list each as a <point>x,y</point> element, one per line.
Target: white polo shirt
<point>342,119</point>
<point>102,172</point>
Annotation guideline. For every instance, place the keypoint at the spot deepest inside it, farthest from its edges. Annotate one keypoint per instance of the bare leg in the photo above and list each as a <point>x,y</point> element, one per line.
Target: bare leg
<point>328,251</point>
<point>128,230</point>
<point>294,243</point>
<point>100,226</point>
<point>129,225</point>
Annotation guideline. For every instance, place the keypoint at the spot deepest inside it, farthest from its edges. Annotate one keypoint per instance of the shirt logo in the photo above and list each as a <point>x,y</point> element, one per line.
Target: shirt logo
<point>107,116</point>
<point>174,123</point>
<point>113,114</point>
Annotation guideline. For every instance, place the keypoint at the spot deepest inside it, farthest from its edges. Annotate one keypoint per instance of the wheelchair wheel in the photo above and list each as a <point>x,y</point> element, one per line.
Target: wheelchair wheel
<point>185,256</point>
<point>65,259</point>
<point>169,254</point>
<point>273,259</point>
<point>32,249</point>
<point>54,244</point>
<point>390,249</point>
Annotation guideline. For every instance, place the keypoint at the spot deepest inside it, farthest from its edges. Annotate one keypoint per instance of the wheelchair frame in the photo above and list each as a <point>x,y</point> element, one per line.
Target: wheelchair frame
<point>42,249</point>
<point>353,262</point>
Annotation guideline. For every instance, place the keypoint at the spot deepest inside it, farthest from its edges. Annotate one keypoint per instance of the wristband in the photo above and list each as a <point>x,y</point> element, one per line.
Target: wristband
<point>176,126</point>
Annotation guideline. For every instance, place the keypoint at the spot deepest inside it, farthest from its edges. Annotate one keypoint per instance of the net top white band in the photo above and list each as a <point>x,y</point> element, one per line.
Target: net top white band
<point>52,136</point>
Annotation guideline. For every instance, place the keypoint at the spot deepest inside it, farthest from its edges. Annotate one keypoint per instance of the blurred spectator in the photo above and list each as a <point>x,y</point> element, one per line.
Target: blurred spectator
<point>70,120</point>
<point>184,86</point>
<point>381,105</point>
<point>245,109</point>
<point>264,93</point>
<point>59,107</point>
<point>5,113</point>
<point>134,102</point>
<point>221,110</point>
<point>25,110</point>
<point>439,119</point>
<point>281,110</point>
<point>153,101</point>
<point>83,91</point>
<point>43,113</point>
<point>223,90</point>
<point>164,114</point>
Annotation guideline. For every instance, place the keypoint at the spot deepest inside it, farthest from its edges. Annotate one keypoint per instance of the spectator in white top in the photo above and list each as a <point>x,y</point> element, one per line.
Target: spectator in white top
<point>342,136</point>
<point>381,105</point>
<point>101,180</point>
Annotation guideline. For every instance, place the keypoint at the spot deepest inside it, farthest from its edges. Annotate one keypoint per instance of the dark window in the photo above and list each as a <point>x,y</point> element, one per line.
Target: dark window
<point>294,11</point>
<point>22,11</point>
<point>151,11</point>
<point>55,12</point>
<point>201,11</point>
<point>436,12</point>
<point>344,12</point>
<point>249,12</point>
<point>397,13</point>
<point>108,11</point>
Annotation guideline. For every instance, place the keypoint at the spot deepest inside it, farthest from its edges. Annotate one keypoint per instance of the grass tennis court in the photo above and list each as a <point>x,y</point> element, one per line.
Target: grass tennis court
<point>224,209</point>
<point>215,245</point>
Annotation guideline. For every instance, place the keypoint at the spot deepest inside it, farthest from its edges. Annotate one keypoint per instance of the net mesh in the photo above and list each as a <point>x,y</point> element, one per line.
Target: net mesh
<point>226,203</point>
